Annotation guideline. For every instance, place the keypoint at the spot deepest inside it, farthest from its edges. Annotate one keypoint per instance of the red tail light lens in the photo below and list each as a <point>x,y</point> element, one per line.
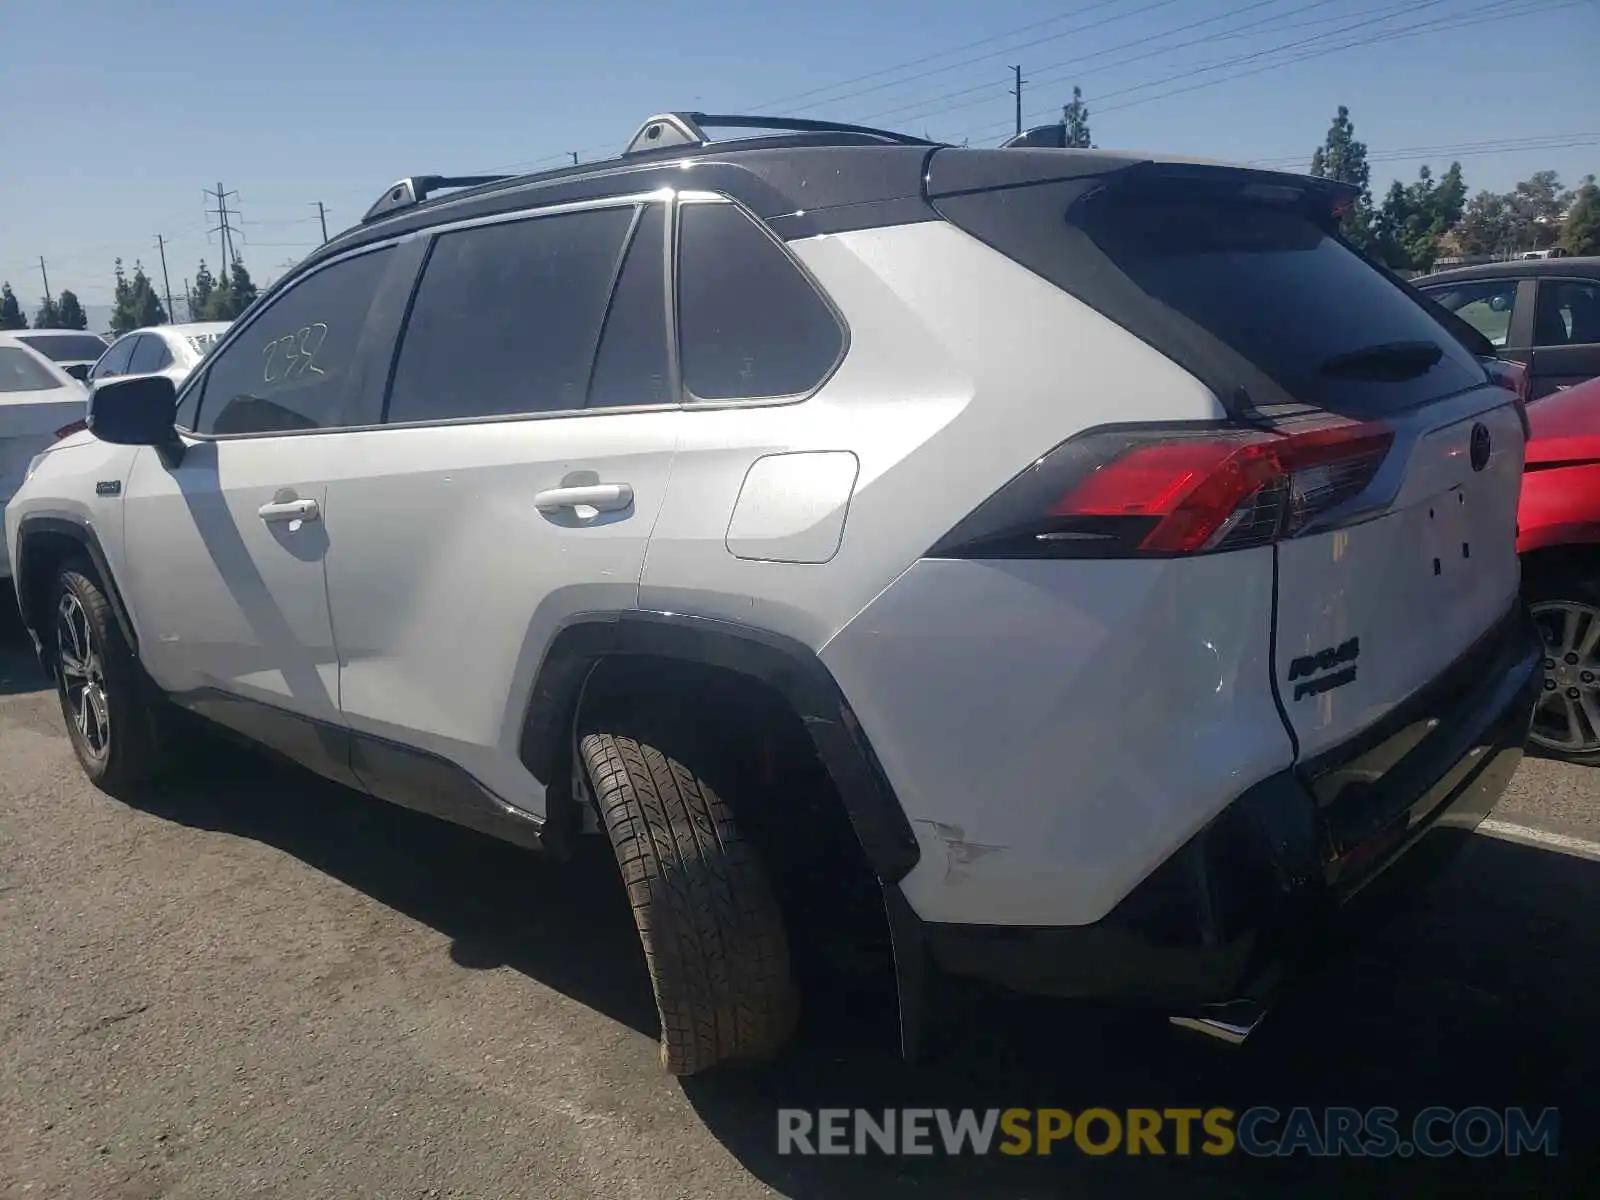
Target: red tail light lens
<point>1171,492</point>
<point>69,430</point>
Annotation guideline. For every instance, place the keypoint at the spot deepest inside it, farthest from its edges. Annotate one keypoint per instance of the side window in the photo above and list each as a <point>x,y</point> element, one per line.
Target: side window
<point>632,364</point>
<point>1567,313</point>
<point>289,369</point>
<point>750,324</point>
<point>508,316</point>
<point>1485,305</point>
<point>150,353</point>
<point>114,361</point>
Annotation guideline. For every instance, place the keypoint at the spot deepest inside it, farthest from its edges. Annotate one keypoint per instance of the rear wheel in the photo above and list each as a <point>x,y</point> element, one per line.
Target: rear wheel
<point>706,912</point>
<point>111,710</point>
<point>1566,721</point>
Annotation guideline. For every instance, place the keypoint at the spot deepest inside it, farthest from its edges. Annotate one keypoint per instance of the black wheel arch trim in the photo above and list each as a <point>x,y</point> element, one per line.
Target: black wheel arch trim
<point>787,666</point>
<point>26,586</point>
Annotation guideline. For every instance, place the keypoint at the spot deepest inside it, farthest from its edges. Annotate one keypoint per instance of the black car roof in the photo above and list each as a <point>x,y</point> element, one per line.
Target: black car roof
<point>1585,267</point>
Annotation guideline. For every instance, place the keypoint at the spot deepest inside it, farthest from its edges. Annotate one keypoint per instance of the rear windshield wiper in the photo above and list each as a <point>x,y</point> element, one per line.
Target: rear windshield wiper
<point>1389,361</point>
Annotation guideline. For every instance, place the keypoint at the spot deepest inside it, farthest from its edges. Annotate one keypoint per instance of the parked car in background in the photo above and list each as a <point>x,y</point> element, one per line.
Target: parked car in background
<point>74,351</point>
<point>170,350</point>
<point>1541,312</point>
<point>37,399</point>
<point>1558,536</point>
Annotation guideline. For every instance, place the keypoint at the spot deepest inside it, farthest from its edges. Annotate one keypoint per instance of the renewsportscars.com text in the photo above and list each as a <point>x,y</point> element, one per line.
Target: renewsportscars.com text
<point>1257,1132</point>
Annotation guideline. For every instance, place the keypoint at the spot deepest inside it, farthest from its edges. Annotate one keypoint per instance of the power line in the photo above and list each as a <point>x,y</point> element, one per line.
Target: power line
<point>1451,21</point>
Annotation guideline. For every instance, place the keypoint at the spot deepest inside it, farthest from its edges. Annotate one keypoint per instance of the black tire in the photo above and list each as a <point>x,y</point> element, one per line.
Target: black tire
<point>707,915</point>
<point>112,711</point>
<point>1578,591</point>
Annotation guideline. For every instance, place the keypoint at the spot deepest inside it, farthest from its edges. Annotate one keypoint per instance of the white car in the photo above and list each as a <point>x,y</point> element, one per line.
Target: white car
<point>170,350</point>
<point>1085,559</point>
<point>71,349</point>
<point>38,399</point>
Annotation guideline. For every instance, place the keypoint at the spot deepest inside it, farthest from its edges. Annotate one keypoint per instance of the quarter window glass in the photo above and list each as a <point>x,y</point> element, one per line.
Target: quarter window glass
<point>631,367</point>
<point>1567,313</point>
<point>508,317</point>
<point>115,360</point>
<point>289,370</point>
<point>150,353</point>
<point>750,324</point>
<point>1486,306</point>
<point>20,372</point>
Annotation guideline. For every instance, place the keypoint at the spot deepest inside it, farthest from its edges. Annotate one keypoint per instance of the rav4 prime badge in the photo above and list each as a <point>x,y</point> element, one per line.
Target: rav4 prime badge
<point>1325,660</point>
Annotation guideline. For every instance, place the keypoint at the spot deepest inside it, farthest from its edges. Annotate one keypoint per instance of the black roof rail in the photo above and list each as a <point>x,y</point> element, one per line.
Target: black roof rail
<point>689,129</point>
<point>415,189</point>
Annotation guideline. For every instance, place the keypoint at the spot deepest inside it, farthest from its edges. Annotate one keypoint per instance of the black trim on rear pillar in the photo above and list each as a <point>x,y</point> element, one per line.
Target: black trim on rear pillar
<point>785,665</point>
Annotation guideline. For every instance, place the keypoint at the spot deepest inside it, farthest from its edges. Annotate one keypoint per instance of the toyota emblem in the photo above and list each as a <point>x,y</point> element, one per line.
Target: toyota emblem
<point>1480,446</point>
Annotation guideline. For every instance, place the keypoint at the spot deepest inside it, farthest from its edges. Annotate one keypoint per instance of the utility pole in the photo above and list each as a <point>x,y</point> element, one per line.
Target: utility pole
<point>188,300</point>
<point>46,279</point>
<point>166,284</point>
<point>1016,74</point>
<point>574,154</point>
<point>223,227</point>
<point>322,215</point>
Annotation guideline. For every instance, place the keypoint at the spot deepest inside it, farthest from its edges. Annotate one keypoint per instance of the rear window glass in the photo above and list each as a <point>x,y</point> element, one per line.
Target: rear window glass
<point>83,347</point>
<point>21,372</point>
<point>1300,306</point>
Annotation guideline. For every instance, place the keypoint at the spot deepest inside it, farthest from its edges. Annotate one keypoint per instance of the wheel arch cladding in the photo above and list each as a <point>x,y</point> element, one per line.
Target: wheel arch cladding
<point>44,543</point>
<point>787,667</point>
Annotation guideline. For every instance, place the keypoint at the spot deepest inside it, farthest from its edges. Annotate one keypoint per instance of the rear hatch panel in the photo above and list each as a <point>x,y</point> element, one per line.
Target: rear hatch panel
<point>1239,277</point>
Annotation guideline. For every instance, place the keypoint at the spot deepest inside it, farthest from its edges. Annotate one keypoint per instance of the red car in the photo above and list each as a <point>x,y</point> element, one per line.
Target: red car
<point>1558,536</point>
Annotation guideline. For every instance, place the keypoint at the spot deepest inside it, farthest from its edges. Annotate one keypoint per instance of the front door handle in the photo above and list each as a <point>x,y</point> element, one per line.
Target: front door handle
<point>289,510</point>
<point>601,497</point>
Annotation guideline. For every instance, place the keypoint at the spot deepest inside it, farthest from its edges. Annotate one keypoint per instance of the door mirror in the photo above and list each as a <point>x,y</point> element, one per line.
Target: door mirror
<point>135,411</point>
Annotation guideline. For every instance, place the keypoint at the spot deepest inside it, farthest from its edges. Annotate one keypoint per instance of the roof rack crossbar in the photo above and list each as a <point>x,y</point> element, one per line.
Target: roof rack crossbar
<point>689,129</point>
<point>404,193</point>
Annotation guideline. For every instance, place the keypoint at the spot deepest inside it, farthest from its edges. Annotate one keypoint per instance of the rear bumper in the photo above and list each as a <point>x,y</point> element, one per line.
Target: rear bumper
<point>1262,891</point>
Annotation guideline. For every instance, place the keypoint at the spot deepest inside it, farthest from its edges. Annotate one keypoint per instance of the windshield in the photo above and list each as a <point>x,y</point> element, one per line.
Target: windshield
<point>67,347</point>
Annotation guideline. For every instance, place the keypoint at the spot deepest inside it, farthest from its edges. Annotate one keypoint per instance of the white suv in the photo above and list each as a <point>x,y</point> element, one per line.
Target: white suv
<point>1118,559</point>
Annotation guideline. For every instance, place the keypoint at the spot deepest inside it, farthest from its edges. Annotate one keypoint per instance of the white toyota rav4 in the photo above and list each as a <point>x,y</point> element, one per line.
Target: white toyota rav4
<point>1125,567</point>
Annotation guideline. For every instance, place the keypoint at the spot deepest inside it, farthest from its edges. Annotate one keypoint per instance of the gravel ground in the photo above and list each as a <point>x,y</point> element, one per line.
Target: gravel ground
<point>253,984</point>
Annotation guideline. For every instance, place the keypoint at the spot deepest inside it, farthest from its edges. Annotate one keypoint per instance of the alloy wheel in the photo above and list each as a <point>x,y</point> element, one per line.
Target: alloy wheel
<point>1567,717</point>
<point>83,680</point>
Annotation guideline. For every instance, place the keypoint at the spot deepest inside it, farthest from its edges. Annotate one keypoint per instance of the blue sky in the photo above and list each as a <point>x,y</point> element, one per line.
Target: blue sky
<point>118,115</point>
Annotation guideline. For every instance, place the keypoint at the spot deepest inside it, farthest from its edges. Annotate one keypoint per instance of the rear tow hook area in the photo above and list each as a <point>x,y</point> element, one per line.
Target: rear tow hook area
<point>1232,1021</point>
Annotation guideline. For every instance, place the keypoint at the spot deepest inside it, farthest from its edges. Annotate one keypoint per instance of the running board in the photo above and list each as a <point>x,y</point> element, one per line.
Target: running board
<point>1231,1022</point>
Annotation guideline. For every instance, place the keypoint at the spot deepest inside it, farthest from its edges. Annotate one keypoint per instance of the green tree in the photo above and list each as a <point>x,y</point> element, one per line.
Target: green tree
<point>1342,157</point>
<point>1075,122</point>
<point>232,293</point>
<point>10,311</point>
<point>136,302</point>
<point>1485,225</point>
<point>1580,232</point>
<point>71,311</point>
<point>200,293</point>
<point>244,288</point>
<point>1536,205</point>
<point>1409,224</point>
<point>48,316</point>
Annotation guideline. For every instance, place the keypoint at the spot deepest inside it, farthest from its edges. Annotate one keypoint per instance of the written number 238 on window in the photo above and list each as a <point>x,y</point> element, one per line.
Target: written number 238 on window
<point>294,354</point>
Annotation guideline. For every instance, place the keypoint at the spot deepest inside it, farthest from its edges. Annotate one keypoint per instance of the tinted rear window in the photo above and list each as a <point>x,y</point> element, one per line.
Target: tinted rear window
<point>1290,299</point>
<point>83,347</point>
<point>20,372</point>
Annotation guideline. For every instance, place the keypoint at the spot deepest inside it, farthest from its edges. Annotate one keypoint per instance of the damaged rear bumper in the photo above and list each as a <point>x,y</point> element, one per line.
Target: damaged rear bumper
<point>1260,894</point>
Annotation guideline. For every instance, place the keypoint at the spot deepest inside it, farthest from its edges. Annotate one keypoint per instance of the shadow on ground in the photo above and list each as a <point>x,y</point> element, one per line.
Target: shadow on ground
<point>19,668</point>
<point>1485,995</point>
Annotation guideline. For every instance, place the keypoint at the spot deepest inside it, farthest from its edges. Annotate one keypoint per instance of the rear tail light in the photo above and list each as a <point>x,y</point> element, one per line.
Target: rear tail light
<point>68,430</point>
<point>1165,492</point>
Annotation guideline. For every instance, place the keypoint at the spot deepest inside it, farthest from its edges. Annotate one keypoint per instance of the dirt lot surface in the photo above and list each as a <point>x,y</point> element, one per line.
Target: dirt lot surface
<point>252,984</point>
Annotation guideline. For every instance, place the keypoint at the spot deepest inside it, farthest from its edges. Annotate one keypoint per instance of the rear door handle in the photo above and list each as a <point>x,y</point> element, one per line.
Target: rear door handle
<point>602,497</point>
<point>289,510</point>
